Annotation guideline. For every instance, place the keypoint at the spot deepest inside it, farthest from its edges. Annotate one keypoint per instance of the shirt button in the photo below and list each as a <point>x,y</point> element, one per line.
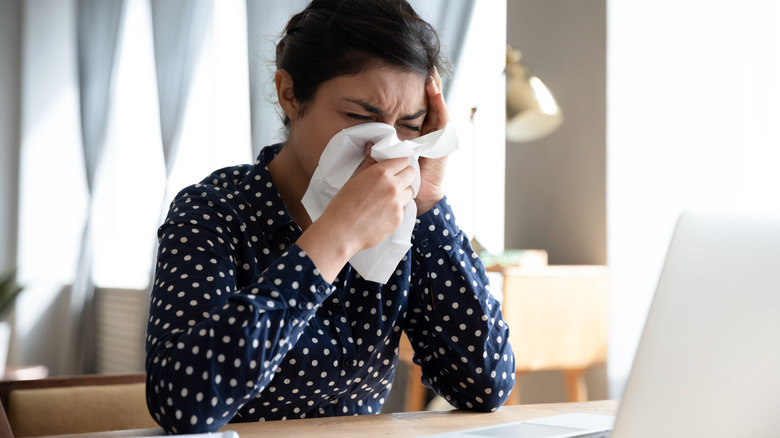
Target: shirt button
<point>350,363</point>
<point>424,243</point>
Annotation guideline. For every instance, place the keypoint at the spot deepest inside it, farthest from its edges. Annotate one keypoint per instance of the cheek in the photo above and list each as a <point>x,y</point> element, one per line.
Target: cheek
<point>317,142</point>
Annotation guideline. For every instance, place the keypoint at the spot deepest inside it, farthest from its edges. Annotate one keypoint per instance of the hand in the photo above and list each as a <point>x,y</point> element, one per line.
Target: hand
<point>373,201</point>
<point>432,169</point>
<point>364,212</point>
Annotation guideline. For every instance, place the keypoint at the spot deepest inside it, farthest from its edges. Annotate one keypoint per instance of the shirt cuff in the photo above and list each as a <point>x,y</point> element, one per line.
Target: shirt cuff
<point>435,228</point>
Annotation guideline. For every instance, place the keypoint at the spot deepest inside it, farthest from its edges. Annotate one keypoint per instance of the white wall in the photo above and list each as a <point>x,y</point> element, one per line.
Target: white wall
<point>474,182</point>
<point>693,110</point>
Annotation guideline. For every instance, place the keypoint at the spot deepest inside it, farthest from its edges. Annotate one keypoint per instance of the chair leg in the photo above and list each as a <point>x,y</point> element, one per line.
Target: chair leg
<point>575,385</point>
<point>415,391</point>
<point>514,396</point>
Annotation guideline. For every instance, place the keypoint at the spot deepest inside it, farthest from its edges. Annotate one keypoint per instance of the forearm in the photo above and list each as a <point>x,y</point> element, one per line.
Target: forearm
<point>454,323</point>
<point>208,355</point>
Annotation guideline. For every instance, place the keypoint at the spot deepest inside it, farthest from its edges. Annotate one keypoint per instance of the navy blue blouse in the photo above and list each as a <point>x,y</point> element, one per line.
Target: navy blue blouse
<point>242,326</point>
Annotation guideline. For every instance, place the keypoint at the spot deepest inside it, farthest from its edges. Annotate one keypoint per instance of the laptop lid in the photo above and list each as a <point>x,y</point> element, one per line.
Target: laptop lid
<point>708,363</point>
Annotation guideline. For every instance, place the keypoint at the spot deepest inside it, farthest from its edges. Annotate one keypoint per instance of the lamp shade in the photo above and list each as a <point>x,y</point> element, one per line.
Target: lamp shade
<point>531,110</point>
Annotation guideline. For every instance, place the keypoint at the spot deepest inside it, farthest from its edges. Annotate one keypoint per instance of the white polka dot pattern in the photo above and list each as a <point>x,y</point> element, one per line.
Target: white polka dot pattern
<point>243,328</point>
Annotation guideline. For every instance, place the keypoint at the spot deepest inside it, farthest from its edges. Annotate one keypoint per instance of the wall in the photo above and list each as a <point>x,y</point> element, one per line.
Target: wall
<point>693,124</point>
<point>556,186</point>
<point>10,62</point>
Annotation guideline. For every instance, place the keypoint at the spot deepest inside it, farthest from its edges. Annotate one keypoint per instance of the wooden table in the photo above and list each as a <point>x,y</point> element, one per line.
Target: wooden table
<point>403,424</point>
<point>411,424</point>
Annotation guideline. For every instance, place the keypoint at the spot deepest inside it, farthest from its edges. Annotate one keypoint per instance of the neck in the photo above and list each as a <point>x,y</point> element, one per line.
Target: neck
<point>291,181</point>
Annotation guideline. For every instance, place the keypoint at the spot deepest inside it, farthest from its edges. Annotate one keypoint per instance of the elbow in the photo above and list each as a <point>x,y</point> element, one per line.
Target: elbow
<point>495,394</point>
<point>483,392</point>
<point>177,419</point>
<point>173,412</point>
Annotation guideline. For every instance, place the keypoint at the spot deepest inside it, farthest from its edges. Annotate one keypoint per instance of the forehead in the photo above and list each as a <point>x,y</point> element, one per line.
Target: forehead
<point>386,87</point>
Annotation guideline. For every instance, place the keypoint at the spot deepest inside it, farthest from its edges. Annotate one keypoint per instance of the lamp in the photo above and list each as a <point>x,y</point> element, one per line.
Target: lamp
<point>531,110</point>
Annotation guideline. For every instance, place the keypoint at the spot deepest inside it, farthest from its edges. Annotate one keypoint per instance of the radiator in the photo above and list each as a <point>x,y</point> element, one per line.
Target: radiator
<point>121,329</point>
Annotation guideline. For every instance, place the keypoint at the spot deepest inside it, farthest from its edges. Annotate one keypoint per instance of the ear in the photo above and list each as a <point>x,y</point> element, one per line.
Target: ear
<point>285,93</point>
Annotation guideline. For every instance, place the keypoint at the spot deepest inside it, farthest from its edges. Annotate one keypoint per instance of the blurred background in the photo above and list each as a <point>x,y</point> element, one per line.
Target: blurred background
<point>108,108</point>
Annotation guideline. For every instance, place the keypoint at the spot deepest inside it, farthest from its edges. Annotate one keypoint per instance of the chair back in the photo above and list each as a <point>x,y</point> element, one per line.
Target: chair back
<point>74,405</point>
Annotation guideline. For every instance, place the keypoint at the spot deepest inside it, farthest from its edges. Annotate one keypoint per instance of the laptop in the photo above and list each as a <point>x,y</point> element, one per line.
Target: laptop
<point>708,362</point>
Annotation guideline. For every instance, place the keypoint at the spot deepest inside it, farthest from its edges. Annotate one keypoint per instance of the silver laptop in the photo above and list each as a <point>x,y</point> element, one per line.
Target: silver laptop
<point>708,363</point>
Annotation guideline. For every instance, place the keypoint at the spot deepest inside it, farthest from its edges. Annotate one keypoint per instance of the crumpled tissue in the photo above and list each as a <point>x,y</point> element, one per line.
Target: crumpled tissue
<point>342,156</point>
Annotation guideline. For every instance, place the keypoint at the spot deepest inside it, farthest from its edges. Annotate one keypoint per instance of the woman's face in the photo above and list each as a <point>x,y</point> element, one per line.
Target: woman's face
<point>380,94</point>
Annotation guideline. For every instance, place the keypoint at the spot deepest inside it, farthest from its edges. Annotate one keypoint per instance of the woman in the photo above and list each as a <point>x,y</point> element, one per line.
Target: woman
<point>256,313</point>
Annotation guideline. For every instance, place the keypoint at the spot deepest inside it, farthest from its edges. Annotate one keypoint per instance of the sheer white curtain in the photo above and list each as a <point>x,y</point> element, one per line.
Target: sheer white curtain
<point>179,28</point>
<point>99,22</point>
<point>118,187</point>
<point>452,19</point>
<point>265,23</point>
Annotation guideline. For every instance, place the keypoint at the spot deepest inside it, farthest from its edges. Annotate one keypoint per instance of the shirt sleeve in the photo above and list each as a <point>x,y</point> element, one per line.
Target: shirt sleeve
<point>454,324</point>
<point>210,345</point>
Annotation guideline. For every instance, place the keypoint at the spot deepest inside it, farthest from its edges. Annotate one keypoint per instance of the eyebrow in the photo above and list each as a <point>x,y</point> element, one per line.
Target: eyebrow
<point>374,110</point>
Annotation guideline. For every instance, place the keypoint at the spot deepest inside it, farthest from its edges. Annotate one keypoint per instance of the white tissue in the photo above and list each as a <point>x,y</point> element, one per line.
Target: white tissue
<point>341,158</point>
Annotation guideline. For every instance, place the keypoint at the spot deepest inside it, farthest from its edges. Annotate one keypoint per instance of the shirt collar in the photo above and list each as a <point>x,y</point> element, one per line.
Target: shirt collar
<point>269,209</point>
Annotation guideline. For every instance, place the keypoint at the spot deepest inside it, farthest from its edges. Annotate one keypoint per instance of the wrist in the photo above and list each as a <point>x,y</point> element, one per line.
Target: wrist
<point>426,203</point>
<point>435,228</point>
<point>328,246</point>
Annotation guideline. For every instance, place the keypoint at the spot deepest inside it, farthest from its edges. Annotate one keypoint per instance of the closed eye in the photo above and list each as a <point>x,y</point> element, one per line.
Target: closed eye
<point>360,117</point>
<point>364,118</point>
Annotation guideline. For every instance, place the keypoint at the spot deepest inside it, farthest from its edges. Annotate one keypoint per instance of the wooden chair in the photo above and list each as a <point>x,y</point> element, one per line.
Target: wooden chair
<point>74,405</point>
<point>415,391</point>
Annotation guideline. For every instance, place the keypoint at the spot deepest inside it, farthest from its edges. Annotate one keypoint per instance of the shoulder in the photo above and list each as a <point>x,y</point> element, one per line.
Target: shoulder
<point>233,182</point>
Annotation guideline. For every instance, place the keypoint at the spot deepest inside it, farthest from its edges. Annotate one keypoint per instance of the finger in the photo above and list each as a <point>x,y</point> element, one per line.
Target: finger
<point>409,192</point>
<point>437,78</point>
<point>436,118</point>
<point>437,109</point>
<point>432,87</point>
<point>406,176</point>
<point>390,167</point>
<point>440,111</point>
<point>368,160</point>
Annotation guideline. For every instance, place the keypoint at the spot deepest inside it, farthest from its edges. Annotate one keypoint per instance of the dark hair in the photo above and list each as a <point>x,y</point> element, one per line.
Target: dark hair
<point>332,38</point>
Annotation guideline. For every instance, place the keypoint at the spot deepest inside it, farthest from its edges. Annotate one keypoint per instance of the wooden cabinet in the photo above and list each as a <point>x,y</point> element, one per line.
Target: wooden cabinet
<point>558,319</point>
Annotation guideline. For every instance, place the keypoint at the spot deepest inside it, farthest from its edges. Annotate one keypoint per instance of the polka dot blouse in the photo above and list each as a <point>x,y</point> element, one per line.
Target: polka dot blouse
<point>242,326</point>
